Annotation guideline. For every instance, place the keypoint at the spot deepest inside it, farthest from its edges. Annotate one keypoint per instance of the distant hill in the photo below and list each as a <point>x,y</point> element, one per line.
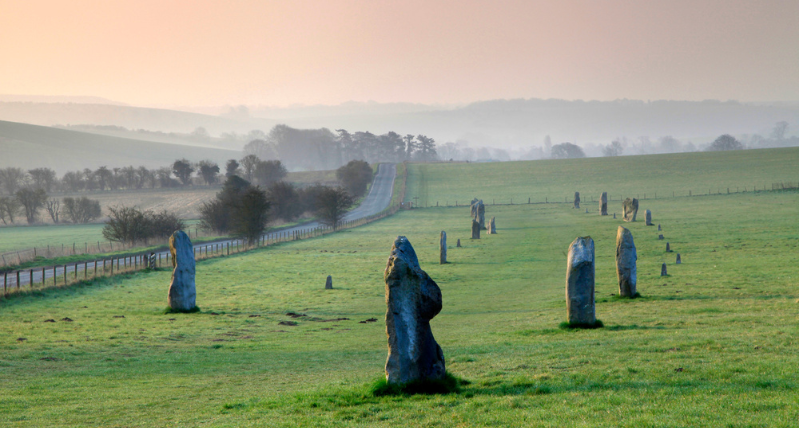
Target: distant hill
<point>31,146</point>
<point>11,98</point>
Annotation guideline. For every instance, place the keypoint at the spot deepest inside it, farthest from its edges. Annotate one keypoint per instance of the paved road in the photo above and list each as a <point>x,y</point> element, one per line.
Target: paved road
<point>377,200</point>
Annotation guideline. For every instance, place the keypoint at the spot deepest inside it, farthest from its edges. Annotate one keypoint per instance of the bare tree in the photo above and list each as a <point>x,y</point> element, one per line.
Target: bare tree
<point>9,208</point>
<point>82,210</point>
<point>32,201</point>
<point>43,178</point>
<point>12,178</point>
<point>249,163</point>
<point>331,205</point>
<point>53,208</point>
<point>208,170</point>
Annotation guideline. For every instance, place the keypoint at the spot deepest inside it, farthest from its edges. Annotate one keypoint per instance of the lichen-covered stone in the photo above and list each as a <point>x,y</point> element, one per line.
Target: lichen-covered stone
<point>475,229</point>
<point>478,210</point>
<point>603,204</point>
<point>580,272</point>
<point>492,226</point>
<point>182,290</point>
<point>630,206</point>
<point>576,200</point>
<point>412,300</point>
<point>329,283</point>
<point>649,218</point>
<point>626,257</point>
<point>442,248</point>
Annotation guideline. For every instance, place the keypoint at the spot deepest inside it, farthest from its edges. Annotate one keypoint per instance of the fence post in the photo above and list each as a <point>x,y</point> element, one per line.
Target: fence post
<point>5,281</point>
<point>65,274</point>
<point>55,277</point>
<point>17,280</point>
<point>43,276</point>
<point>85,270</point>
<point>30,278</point>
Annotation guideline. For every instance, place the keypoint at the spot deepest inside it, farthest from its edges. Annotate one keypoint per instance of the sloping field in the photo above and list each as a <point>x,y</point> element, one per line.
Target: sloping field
<point>31,146</point>
<point>712,344</point>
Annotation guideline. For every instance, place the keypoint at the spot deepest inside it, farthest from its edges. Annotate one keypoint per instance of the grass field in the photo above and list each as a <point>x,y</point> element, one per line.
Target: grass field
<point>713,344</point>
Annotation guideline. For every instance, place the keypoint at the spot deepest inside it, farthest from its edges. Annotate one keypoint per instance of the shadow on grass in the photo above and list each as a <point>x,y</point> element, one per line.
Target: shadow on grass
<point>567,330</point>
<point>448,385</point>
<point>170,310</point>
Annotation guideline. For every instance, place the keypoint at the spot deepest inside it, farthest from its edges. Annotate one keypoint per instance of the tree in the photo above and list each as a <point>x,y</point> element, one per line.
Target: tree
<point>613,149</point>
<point>567,151</point>
<point>285,201</point>
<point>128,224</point>
<point>12,178</point>
<point>103,176</point>
<point>183,170</point>
<point>249,217</point>
<point>165,179</point>
<point>9,208</point>
<point>778,133</point>
<point>248,163</point>
<point>232,168</point>
<point>427,148</point>
<point>725,142</point>
<point>331,205</point>
<point>82,210</point>
<point>410,146</point>
<point>268,172</point>
<point>43,178</point>
<point>32,200</point>
<point>216,214</point>
<point>355,176</point>
<point>73,181</point>
<point>53,208</point>
<point>208,171</point>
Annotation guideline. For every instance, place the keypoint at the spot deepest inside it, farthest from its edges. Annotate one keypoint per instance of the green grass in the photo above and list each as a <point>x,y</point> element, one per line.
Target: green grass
<point>713,344</point>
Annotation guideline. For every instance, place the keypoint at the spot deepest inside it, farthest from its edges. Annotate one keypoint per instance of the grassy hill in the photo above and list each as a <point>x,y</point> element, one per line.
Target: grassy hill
<point>712,344</point>
<point>31,146</point>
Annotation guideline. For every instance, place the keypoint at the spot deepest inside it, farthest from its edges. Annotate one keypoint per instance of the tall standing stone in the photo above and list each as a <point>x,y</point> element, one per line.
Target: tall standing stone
<point>614,216</point>
<point>577,200</point>
<point>580,272</point>
<point>659,229</point>
<point>459,243</point>
<point>679,260</point>
<point>649,218</point>
<point>626,258</point>
<point>475,229</point>
<point>182,290</point>
<point>630,207</point>
<point>329,283</point>
<point>412,300</point>
<point>668,247</point>
<point>442,248</point>
<point>663,270</point>
<point>479,212</point>
<point>492,226</point>
<point>603,204</point>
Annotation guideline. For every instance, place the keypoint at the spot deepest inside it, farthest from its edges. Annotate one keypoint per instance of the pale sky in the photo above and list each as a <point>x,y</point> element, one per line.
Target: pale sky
<point>181,52</point>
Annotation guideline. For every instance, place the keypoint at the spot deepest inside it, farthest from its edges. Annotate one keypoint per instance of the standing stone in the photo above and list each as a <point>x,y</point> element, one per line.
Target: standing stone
<point>580,271</point>
<point>479,212</point>
<point>182,291</point>
<point>586,210</point>
<point>668,247</point>
<point>603,204</point>
<point>679,261</point>
<point>329,283</point>
<point>659,229</point>
<point>649,218</point>
<point>459,243</point>
<point>442,248</point>
<point>630,207</point>
<point>492,226</point>
<point>626,258</point>
<point>412,300</point>
<point>660,237</point>
<point>475,229</point>
<point>663,270</point>
<point>614,216</point>
<point>577,200</point>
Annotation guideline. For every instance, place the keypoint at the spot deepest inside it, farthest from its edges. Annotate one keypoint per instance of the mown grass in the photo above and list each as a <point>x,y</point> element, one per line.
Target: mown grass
<point>713,344</point>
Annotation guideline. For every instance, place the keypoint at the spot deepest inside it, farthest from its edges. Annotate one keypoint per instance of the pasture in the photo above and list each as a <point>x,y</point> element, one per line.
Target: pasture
<point>712,344</point>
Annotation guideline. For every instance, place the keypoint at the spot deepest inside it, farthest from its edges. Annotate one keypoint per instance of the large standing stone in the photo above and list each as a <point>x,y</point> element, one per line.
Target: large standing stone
<point>442,248</point>
<point>660,237</point>
<point>649,218</point>
<point>614,216</point>
<point>329,283</point>
<point>475,229</point>
<point>626,258</point>
<point>668,247</point>
<point>479,212</point>
<point>459,243</point>
<point>663,270</point>
<point>679,260</point>
<point>576,200</point>
<point>182,290</point>
<point>412,300</point>
<point>630,207</point>
<point>492,226</point>
<point>603,204</point>
<point>580,282</point>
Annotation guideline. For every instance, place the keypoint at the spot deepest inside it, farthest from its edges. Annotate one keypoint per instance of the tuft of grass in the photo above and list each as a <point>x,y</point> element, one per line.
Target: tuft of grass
<point>565,325</point>
<point>448,385</point>
<point>169,310</point>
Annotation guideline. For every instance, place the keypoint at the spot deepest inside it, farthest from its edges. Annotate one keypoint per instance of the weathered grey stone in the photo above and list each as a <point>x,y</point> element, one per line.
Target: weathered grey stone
<point>626,258</point>
<point>580,272</point>
<point>649,218</point>
<point>603,204</point>
<point>442,248</point>
<point>182,290</point>
<point>492,226</point>
<point>659,229</point>
<point>660,237</point>
<point>663,270</point>
<point>479,212</point>
<point>668,247</point>
<point>577,200</point>
<point>614,216</point>
<point>329,283</point>
<point>459,243</point>
<point>475,229</point>
<point>630,207</point>
<point>412,300</point>
<point>679,260</point>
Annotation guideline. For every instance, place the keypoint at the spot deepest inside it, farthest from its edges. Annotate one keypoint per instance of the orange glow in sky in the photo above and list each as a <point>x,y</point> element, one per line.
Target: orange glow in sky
<point>308,52</point>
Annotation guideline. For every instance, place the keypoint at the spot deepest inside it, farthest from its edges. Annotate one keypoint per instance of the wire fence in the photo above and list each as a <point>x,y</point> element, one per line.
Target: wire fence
<point>63,275</point>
